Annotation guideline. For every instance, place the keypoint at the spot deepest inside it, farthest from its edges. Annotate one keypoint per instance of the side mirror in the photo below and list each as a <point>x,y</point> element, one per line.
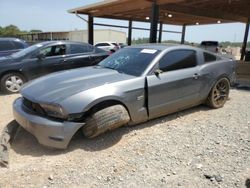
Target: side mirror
<point>40,56</point>
<point>158,72</point>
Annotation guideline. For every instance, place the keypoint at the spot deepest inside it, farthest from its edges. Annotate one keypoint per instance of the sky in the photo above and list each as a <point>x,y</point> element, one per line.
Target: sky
<point>52,15</point>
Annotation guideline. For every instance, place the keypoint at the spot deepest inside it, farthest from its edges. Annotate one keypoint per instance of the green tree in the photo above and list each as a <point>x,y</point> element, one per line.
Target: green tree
<point>10,31</point>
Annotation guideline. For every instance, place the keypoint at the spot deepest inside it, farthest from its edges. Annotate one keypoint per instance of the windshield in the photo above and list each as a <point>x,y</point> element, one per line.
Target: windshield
<point>26,51</point>
<point>132,61</point>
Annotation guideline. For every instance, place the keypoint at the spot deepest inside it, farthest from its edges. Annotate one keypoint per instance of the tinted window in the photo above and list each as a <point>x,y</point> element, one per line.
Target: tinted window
<point>178,59</point>
<point>114,44</point>
<point>6,45</point>
<point>132,61</point>
<point>53,50</point>
<point>78,48</point>
<point>209,57</point>
<point>209,43</point>
<point>18,45</point>
<point>102,44</point>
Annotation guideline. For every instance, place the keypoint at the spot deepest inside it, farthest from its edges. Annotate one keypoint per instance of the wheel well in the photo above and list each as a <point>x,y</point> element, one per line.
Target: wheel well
<point>220,77</point>
<point>9,72</point>
<point>103,105</point>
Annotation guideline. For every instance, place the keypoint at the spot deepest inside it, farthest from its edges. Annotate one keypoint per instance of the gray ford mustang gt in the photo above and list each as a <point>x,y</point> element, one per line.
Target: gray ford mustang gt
<point>131,86</point>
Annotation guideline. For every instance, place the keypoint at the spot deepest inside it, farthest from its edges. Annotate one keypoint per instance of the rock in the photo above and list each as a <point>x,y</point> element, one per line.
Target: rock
<point>212,178</point>
<point>199,166</point>
<point>208,176</point>
<point>163,180</point>
<point>108,178</point>
<point>50,177</point>
<point>218,178</point>
<point>217,142</point>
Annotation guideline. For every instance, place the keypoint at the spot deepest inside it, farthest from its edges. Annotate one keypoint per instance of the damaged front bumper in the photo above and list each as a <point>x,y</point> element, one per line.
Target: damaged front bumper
<point>48,132</point>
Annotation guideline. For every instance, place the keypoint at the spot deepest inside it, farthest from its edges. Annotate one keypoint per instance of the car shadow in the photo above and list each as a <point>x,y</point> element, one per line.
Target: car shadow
<point>26,144</point>
<point>6,94</point>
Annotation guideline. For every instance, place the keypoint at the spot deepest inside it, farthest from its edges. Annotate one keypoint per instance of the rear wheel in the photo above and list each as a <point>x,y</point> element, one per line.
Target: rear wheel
<point>12,82</point>
<point>106,119</point>
<point>219,93</point>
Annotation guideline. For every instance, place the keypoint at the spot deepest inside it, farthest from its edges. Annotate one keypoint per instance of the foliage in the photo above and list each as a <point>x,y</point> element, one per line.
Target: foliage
<point>9,31</point>
<point>13,31</point>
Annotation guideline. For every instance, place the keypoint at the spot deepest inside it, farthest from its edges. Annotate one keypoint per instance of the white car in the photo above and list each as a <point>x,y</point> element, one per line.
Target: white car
<point>108,46</point>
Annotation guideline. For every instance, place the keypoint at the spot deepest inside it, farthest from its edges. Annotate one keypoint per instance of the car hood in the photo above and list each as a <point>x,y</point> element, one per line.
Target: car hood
<point>6,59</point>
<point>56,87</point>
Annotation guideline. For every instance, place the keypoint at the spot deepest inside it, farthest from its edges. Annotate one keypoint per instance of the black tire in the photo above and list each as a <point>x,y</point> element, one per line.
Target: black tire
<point>219,93</point>
<point>106,119</point>
<point>6,88</point>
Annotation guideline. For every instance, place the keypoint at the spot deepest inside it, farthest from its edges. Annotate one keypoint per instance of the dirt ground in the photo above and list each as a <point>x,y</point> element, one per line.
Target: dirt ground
<point>198,147</point>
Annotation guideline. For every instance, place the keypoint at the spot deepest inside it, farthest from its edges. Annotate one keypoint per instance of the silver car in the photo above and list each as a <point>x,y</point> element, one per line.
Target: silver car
<point>134,85</point>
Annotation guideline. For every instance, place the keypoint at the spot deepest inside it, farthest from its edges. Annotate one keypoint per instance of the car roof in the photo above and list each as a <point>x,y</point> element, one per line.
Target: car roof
<point>162,47</point>
<point>106,42</point>
<point>10,38</point>
<point>61,42</point>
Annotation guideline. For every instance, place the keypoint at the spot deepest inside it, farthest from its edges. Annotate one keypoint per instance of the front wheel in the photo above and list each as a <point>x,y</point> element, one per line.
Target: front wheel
<point>106,119</point>
<point>219,93</point>
<point>12,82</point>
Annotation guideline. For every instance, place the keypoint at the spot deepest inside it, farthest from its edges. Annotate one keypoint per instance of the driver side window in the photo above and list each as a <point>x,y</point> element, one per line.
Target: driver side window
<point>53,51</point>
<point>178,59</point>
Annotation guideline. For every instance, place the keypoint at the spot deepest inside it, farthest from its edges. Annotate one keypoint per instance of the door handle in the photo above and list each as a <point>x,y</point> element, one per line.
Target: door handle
<point>65,60</point>
<point>196,76</point>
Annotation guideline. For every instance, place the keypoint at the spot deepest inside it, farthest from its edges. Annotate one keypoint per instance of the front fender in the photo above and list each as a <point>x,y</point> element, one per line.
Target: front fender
<point>131,95</point>
<point>84,100</point>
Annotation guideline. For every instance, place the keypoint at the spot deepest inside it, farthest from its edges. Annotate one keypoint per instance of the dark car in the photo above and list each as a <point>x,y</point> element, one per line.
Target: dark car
<point>44,58</point>
<point>212,46</point>
<point>9,46</point>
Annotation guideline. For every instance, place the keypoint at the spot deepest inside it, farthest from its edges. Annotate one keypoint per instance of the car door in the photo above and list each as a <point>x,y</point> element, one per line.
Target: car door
<point>45,60</point>
<point>176,84</point>
<point>52,59</point>
<point>81,55</point>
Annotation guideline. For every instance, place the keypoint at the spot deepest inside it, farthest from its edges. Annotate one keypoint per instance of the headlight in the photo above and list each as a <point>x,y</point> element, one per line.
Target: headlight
<point>54,110</point>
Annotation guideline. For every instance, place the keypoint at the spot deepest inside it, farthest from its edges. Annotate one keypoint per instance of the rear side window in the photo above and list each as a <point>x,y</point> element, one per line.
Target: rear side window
<point>102,44</point>
<point>18,45</point>
<point>115,44</point>
<point>79,48</point>
<point>178,59</point>
<point>209,57</point>
<point>209,43</point>
<point>6,45</point>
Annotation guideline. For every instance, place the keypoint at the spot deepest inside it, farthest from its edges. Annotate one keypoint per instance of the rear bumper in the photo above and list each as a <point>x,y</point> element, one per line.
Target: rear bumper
<point>48,132</point>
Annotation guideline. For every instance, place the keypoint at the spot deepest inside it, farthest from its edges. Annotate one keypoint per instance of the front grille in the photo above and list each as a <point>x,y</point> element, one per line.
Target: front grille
<point>34,107</point>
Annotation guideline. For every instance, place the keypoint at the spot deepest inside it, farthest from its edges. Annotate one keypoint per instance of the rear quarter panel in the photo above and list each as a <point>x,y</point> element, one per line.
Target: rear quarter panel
<point>216,70</point>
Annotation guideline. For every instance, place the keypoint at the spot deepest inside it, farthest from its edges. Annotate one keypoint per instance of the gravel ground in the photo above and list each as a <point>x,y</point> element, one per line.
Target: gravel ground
<point>198,147</point>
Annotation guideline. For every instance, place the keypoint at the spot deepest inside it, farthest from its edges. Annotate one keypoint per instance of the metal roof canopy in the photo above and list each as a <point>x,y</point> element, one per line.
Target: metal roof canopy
<point>176,12</point>
<point>187,12</point>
